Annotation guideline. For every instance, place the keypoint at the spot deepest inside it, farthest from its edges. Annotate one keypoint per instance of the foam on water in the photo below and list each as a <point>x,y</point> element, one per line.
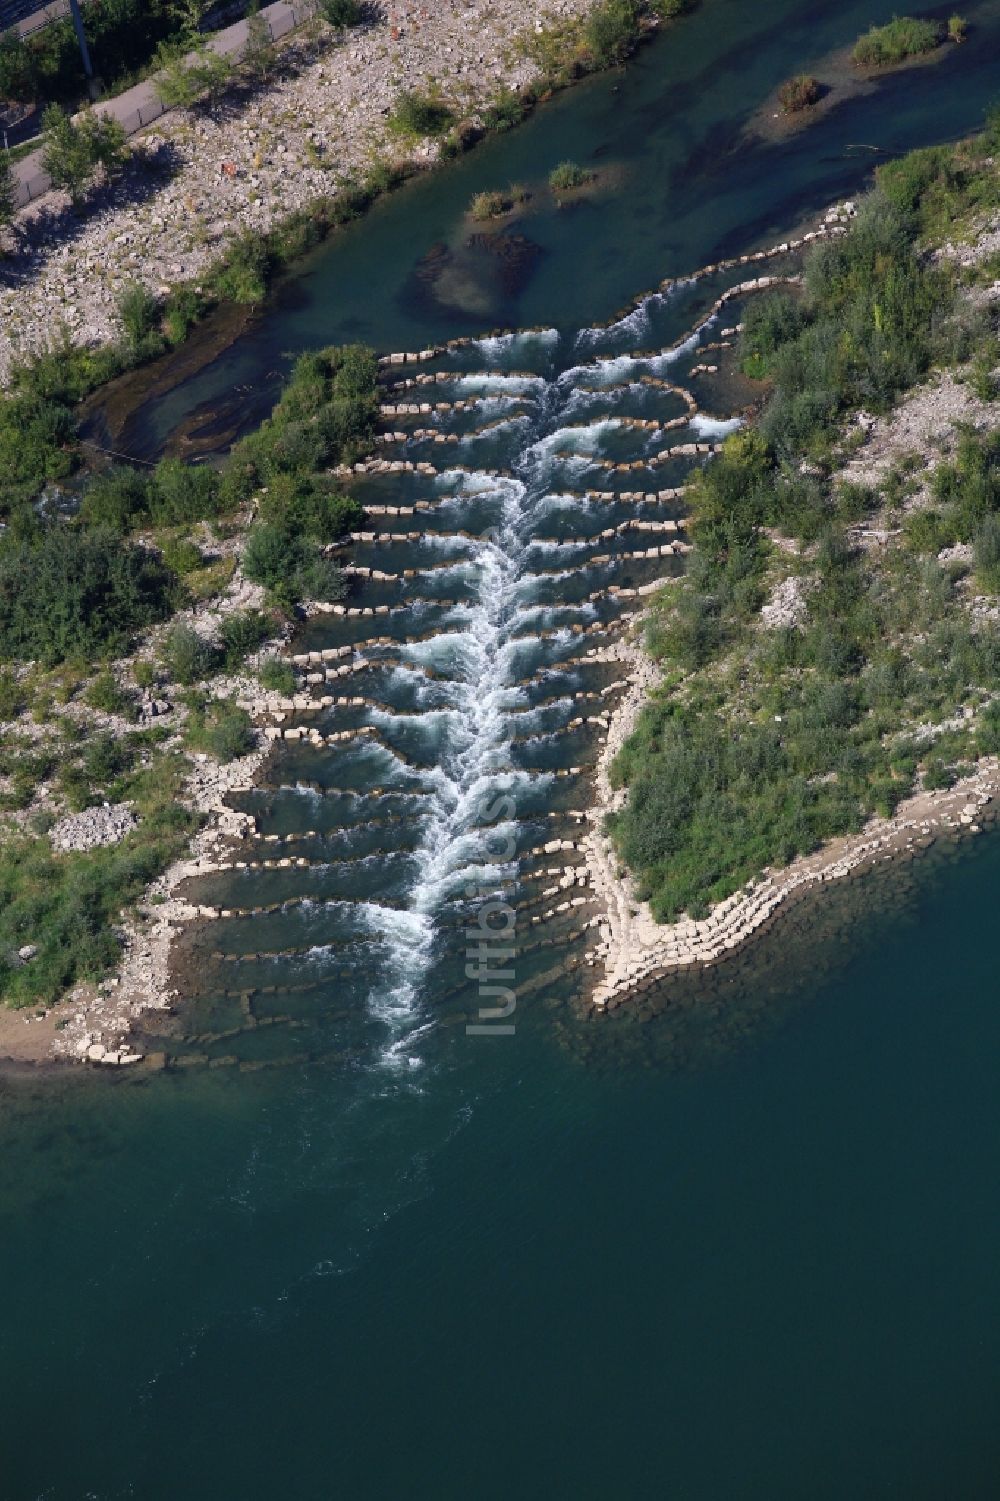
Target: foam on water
<point>500,347</point>
<point>715,427</point>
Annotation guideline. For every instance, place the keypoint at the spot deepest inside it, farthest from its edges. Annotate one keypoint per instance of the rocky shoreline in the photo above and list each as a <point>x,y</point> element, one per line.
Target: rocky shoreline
<point>634,952</point>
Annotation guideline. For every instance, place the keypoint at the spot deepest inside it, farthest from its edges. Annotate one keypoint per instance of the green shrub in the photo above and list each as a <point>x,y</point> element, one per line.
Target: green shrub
<point>799,93</point>
<point>220,729</point>
<point>241,634</point>
<point>290,570</point>
<point>183,80</point>
<point>118,498</point>
<point>927,532</point>
<point>72,595</point>
<point>106,695</point>
<point>13,696</point>
<point>417,114</point>
<point>138,312</point>
<point>983,378</point>
<point>327,415</point>
<point>189,657</point>
<point>36,445</point>
<point>18,76</point>
<point>310,507</point>
<point>506,110</point>
<point>869,311</point>
<point>491,205</point>
<point>567,176</point>
<point>938,775</point>
<point>986,548</point>
<point>184,308</point>
<point>182,556</point>
<point>242,277</point>
<point>260,55</point>
<point>7,193</point>
<point>69,904</point>
<point>901,38</point>
<point>958,28</point>
<point>278,676</point>
<point>182,493</point>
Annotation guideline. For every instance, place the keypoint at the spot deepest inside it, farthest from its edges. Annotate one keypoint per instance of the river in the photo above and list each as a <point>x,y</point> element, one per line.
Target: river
<point>737,1242</point>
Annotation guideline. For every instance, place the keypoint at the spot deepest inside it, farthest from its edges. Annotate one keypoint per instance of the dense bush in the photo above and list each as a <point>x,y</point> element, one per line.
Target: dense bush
<point>491,205</point>
<point>507,110</point>
<point>799,93</point>
<point>76,595</point>
<point>241,634</point>
<point>68,905</point>
<point>106,695</point>
<point>184,77</point>
<point>568,175</point>
<point>172,494</point>
<point>417,114</point>
<point>190,657</point>
<point>613,30</point>
<point>708,808</point>
<point>277,676</point>
<point>242,274</point>
<point>7,192</point>
<point>327,415</point>
<point>36,438</point>
<point>289,568</point>
<point>138,313</point>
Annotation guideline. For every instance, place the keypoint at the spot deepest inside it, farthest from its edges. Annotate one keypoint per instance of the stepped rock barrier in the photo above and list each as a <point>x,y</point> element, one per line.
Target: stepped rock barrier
<point>492,683</point>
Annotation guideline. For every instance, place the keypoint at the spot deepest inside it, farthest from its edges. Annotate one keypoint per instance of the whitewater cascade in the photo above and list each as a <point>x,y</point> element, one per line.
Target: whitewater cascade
<point>525,496</point>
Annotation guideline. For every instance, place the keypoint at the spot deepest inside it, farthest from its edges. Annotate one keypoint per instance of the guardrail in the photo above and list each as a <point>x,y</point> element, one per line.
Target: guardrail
<point>141,105</point>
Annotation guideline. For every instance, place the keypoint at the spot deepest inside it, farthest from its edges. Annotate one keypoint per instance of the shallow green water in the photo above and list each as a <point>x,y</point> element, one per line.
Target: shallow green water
<point>741,1248</point>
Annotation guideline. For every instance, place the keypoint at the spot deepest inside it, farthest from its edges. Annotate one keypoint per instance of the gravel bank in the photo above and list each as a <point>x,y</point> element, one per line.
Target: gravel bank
<point>319,123</point>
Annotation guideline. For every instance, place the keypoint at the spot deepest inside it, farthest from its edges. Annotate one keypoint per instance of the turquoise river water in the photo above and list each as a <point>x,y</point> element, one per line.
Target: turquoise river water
<point>738,1241</point>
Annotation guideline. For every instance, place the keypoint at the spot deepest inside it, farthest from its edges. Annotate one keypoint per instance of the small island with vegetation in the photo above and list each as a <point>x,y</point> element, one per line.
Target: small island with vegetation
<point>905,38</point>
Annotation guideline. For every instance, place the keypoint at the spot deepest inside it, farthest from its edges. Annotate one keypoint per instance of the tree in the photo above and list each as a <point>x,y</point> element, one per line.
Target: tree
<point>341,13</point>
<point>17,69</point>
<point>72,152</point>
<point>260,53</point>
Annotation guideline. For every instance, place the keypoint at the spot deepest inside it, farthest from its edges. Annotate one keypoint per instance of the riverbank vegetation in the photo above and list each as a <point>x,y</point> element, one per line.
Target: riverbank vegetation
<point>111,669</point>
<point>872,671</point>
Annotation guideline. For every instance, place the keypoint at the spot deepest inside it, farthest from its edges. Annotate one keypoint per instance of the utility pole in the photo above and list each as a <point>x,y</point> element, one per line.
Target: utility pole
<point>81,36</point>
